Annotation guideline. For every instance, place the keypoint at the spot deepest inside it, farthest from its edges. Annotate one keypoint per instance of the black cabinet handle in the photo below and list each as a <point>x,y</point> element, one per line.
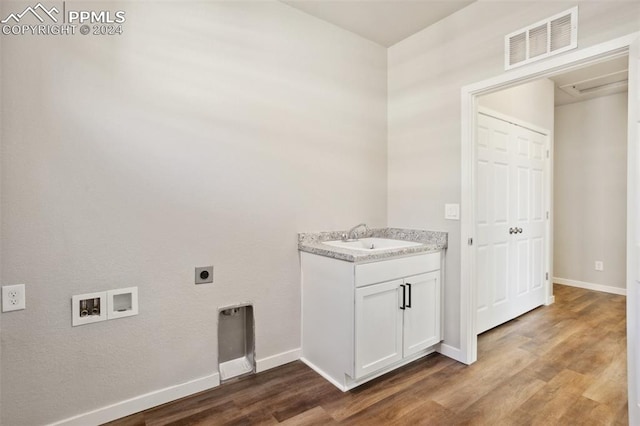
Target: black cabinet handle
<point>408,305</point>
<point>404,295</point>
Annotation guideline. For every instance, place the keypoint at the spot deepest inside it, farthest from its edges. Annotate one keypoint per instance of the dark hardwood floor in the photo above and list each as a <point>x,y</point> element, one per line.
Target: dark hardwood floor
<point>562,364</point>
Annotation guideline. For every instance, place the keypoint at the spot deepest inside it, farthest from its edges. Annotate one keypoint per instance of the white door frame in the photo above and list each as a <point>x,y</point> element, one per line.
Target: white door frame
<point>621,46</point>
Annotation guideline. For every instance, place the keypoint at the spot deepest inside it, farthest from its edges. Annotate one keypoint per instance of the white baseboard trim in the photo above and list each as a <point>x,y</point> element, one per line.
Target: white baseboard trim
<point>451,352</point>
<point>277,360</point>
<point>162,396</point>
<point>140,403</point>
<point>591,286</point>
<point>551,300</point>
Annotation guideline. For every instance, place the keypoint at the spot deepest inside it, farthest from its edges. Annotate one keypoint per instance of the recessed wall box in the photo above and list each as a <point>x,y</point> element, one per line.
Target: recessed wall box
<point>236,337</point>
<point>88,308</point>
<point>122,302</point>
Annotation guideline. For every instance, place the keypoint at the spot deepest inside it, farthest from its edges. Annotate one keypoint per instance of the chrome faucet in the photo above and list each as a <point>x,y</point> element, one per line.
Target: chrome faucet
<point>352,234</point>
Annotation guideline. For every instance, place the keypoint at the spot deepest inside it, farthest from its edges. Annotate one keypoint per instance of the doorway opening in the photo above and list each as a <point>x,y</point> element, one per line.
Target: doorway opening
<point>590,177</point>
<point>470,94</point>
<point>551,164</point>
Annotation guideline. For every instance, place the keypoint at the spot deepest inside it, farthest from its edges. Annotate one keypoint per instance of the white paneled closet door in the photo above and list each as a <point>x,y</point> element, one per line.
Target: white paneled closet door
<point>511,173</point>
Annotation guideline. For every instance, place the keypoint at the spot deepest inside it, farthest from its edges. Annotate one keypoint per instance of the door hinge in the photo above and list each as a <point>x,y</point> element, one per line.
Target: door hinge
<point>470,241</point>
<point>547,153</point>
<point>547,215</point>
<point>546,276</point>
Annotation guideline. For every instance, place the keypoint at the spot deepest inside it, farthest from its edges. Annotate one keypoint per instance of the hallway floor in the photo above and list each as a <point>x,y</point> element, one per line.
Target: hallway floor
<point>562,364</point>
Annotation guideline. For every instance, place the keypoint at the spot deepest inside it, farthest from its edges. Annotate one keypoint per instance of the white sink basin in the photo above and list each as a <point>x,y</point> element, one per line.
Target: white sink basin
<point>372,244</point>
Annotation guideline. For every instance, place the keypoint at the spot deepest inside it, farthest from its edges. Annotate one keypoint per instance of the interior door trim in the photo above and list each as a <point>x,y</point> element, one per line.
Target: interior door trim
<point>621,46</point>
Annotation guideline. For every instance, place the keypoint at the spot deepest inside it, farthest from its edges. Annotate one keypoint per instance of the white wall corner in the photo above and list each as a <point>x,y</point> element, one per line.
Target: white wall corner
<point>277,360</point>
<point>327,377</point>
<point>451,352</point>
<point>141,402</point>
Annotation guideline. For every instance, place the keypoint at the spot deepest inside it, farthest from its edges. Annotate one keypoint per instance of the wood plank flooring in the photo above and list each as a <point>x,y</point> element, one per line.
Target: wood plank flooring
<point>562,364</point>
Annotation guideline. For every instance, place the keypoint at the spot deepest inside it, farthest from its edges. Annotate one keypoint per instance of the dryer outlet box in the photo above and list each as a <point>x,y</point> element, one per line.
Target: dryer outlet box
<point>204,275</point>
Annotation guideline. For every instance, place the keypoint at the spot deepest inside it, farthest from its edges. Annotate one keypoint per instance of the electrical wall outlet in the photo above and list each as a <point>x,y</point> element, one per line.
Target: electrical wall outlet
<point>204,275</point>
<point>599,265</point>
<point>452,211</point>
<point>13,298</point>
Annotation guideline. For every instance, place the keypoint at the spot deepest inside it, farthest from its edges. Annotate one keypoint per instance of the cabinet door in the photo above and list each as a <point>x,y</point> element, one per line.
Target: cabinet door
<point>422,314</point>
<point>378,339</point>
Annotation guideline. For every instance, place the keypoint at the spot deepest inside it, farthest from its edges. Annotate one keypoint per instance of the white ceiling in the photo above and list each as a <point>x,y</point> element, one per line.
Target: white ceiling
<point>601,79</point>
<point>385,22</point>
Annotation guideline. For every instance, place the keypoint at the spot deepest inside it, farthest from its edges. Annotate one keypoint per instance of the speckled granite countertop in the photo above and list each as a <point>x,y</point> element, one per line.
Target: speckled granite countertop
<point>432,241</point>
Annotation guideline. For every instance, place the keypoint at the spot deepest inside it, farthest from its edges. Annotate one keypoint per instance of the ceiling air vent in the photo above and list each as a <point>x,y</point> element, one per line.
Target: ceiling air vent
<point>554,35</point>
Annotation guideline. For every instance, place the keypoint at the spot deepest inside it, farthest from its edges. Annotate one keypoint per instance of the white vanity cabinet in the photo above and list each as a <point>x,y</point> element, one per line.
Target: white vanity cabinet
<point>362,320</point>
<point>394,320</point>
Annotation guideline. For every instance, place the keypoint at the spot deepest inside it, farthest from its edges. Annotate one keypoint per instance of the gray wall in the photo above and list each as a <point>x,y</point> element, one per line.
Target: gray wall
<point>591,190</point>
<point>208,133</point>
<point>426,73</point>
